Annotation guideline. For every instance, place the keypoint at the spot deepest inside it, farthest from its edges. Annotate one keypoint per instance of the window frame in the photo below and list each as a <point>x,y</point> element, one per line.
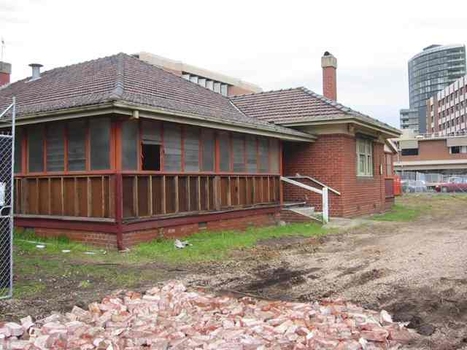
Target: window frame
<point>367,144</point>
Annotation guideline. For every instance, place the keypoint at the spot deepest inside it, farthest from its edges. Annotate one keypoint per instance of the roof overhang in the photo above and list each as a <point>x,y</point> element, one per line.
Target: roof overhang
<point>387,132</point>
<point>127,109</point>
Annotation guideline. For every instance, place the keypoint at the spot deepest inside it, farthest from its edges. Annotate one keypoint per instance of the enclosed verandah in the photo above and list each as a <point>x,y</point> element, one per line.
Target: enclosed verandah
<point>114,174</point>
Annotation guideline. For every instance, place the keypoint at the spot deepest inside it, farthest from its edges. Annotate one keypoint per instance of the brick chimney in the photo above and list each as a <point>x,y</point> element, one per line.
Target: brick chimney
<point>5,71</point>
<point>329,65</point>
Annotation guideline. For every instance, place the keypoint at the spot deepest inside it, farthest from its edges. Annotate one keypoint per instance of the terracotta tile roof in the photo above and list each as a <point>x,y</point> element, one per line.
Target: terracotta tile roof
<point>299,105</point>
<point>125,79</point>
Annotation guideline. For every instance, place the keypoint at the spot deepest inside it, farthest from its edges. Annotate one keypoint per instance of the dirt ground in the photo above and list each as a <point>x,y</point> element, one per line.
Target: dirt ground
<point>415,270</point>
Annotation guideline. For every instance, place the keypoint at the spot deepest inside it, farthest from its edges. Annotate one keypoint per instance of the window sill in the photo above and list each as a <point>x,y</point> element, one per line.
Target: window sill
<point>365,177</point>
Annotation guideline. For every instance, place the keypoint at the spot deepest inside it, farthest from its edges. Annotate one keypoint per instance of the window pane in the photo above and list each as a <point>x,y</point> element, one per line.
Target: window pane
<point>100,143</point>
<point>274,156</point>
<point>252,165</point>
<point>172,147</point>
<point>55,147</point>
<point>18,149</point>
<point>361,166</point>
<point>224,150</point>
<point>238,153</point>
<point>151,132</point>
<point>263,153</point>
<point>207,141</point>
<point>129,145</point>
<point>36,148</point>
<point>191,149</point>
<point>76,145</point>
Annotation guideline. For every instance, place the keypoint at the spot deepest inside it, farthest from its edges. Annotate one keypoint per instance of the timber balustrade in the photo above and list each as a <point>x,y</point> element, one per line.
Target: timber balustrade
<point>143,195</point>
<point>389,187</point>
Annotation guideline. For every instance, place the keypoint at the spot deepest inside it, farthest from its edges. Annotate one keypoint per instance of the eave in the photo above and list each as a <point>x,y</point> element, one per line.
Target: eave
<point>127,109</point>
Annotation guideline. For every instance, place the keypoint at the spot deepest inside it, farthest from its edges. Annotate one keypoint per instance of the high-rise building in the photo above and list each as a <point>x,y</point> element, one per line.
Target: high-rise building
<point>447,110</point>
<point>430,71</point>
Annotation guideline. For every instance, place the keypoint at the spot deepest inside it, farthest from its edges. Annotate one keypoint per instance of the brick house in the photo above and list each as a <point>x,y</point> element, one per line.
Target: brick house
<point>348,154</point>
<point>116,151</point>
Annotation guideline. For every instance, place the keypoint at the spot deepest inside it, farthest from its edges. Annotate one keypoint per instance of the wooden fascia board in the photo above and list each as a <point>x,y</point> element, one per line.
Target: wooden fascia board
<point>190,119</point>
<point>386,131</point>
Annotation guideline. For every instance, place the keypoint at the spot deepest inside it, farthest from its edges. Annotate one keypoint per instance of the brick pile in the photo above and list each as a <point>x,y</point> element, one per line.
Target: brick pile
<point>173,318</point>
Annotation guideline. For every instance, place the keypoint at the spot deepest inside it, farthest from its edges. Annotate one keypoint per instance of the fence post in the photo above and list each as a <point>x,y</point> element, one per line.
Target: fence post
<point>325,205</point>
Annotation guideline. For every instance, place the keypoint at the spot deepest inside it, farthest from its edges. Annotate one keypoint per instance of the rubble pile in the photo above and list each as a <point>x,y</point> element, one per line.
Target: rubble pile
<point>173,318</point>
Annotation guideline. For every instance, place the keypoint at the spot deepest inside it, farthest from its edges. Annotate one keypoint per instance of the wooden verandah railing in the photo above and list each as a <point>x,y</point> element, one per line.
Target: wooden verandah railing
<point>130,196</point>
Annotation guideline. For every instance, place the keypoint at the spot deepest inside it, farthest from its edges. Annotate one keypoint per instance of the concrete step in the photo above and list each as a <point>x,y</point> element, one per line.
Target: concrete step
<point>306,211</point>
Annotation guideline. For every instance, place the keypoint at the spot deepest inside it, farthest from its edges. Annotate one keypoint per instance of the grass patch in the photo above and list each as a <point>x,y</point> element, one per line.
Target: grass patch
<point>399,213</point>
<point>210,246</point>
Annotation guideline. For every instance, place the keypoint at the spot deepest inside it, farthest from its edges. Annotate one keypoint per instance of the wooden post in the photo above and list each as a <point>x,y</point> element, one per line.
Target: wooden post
<point>177,204</point>
<point>229,192</point>
<point>62,196</point>
<point>76,197</point>
<point>135,196</point>
<point>150,195</point>
<point>163,196</point>
<point>217,193</point>
<point>119,209</point>
<point>198,189</point>
<point>89,196</point>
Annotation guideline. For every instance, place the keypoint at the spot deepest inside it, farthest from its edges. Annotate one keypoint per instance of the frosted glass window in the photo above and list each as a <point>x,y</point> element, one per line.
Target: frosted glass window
<point>36,148</point>
<point>172,147</point>
<point>191,149</point>
<point>238,153</point>
<point>100,143</point>
<point>208,146</point>
<point>129,145</point>
<point>251,159</point>
<point>55,147</point>
<point>77,145</point>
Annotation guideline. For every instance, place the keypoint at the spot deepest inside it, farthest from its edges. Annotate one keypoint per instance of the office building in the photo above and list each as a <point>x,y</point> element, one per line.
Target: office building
<point>430,71</point>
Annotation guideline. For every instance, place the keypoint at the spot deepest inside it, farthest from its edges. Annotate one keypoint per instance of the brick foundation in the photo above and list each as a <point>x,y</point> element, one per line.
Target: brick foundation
<point>332,160</point>
<point>220,222</point>
<point>290,216</point>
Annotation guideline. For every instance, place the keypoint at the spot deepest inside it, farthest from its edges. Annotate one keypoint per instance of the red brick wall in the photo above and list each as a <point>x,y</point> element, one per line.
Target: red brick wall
<point>102,239</point>
<point>332,160</point>
<point>4,78</point>
<point>291,217</point>
<point>109,240</point>
<point>134,237</point>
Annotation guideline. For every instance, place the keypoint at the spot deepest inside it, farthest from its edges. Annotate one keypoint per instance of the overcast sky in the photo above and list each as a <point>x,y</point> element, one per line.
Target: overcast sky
<point>275,44</point>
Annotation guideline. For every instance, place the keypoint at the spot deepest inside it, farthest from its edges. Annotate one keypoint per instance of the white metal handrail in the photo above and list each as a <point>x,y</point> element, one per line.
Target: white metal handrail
<point>324,195</point>
<point>298,176</point>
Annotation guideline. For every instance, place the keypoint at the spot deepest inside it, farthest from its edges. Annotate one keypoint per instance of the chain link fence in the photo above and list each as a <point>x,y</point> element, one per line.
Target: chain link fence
<point>6,203</point>
<point>445,181</point>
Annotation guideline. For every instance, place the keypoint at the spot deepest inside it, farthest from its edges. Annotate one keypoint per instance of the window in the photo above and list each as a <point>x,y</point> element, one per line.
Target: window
<point>263,154</point>
<point>388,164</point>
<point>238,153</point>
<point>364,157</point>
<point>455,149</point>
<point>224,150</point>
<point>129,145</point>
<point>55,147</point>
<point>172,147</point>
<point>100,143</point>
<point>151,145</point>
<point>36,149</point>
<point>207,150</point>
<point>409,152</point>
<point>251,159</point>
<point>274,155</point>
<point>77,145</point>
<point>191,149</point>
<point>18,148</point>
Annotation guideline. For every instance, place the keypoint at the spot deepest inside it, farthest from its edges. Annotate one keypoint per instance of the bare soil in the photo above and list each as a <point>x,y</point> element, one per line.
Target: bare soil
<point>415,270</point>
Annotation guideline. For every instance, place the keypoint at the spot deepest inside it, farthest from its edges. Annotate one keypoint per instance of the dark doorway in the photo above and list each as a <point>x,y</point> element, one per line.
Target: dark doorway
<point>151,157</point>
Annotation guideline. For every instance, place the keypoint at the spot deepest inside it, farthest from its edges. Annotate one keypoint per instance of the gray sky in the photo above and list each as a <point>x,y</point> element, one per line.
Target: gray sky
<point>275,44</point>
